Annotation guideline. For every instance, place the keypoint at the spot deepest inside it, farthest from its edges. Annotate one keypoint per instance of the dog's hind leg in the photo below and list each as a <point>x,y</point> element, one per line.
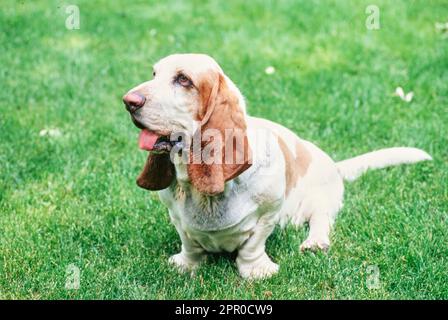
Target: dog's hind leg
<point>319,235</point>
<point>323,203</point>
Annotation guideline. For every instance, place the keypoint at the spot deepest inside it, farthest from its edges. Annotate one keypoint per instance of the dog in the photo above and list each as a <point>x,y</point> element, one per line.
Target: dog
<point>223,205</point>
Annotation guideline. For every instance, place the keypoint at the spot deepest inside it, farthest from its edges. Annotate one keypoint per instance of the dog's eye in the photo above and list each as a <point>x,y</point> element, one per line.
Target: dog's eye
<point>153,73</point>
<point>183,80</point>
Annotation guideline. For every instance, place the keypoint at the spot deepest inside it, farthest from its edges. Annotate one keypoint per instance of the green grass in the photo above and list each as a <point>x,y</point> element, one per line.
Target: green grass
<point>73,198</point>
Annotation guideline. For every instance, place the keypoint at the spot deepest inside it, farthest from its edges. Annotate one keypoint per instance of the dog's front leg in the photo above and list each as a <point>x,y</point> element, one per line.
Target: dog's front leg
<point>252,260</point>
<point>191,254</point>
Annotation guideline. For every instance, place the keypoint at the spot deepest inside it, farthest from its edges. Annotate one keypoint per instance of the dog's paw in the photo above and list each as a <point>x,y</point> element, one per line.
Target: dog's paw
<point>263,268</point>
<point>182,263</point>
<point>315,244</point>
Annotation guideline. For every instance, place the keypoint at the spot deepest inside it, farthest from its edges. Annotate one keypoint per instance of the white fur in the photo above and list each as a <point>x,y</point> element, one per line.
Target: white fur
<point>244,216</point>
<point>352,168</point>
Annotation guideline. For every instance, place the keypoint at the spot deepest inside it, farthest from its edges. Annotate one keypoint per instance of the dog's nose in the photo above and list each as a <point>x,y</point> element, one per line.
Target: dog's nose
<point>133,101</point>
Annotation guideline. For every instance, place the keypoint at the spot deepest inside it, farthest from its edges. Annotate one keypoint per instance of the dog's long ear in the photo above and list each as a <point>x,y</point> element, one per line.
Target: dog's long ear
<point>158,172</point>
<point>219,113</point>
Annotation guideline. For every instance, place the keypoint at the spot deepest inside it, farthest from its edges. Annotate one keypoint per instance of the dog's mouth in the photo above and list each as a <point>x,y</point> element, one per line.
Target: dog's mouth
<point>151,141</point>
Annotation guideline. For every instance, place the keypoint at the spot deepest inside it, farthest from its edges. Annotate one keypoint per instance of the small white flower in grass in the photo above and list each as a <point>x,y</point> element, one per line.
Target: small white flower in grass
<point>442,26</point>
<point>269,70</point>
<point>407,97</point>
<point>153,32</point>
<point>50,133</point>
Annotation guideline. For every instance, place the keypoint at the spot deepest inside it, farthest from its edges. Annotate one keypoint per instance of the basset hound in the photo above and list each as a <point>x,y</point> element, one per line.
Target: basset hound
<point>227,178</point>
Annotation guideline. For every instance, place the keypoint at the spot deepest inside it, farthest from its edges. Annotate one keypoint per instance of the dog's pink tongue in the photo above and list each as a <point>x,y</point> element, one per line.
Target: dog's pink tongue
<point>147,139</point>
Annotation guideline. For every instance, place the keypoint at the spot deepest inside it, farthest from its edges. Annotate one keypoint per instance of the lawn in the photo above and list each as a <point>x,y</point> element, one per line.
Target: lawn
<point>69,155</point>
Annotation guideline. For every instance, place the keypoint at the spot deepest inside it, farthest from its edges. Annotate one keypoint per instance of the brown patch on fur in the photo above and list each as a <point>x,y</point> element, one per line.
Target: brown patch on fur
<point>295,167</point>
<point>219,110</point>
<point>303,158</point>
<point>158,172</point>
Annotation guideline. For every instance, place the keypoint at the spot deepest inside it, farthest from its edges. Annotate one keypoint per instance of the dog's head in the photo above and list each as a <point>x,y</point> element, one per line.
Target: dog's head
<point>190,97</point>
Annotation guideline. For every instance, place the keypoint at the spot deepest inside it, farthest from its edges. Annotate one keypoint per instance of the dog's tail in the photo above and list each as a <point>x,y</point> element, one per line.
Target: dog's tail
<point>352,168</point>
